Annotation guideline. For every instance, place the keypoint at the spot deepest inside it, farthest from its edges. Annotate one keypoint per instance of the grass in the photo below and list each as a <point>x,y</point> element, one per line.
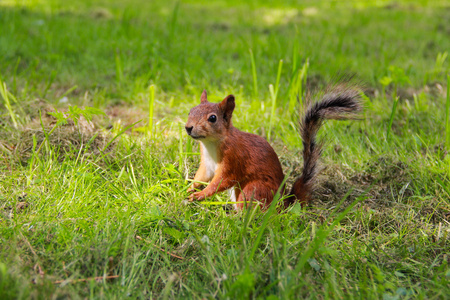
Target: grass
<point>95,209</point>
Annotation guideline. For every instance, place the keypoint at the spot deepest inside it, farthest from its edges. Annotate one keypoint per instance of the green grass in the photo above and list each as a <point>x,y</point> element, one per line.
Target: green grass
<point>82,200</point>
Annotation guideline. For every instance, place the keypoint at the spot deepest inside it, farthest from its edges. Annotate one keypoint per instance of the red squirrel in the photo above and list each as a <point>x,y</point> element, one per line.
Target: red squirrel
<point>245,164</point>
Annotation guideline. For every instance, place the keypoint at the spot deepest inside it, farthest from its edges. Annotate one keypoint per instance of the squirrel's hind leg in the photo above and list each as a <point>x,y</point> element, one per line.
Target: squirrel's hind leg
<point>257,192</point>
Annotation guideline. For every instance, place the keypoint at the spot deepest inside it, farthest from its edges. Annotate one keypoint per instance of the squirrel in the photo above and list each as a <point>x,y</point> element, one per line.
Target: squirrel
<point>245,164</point>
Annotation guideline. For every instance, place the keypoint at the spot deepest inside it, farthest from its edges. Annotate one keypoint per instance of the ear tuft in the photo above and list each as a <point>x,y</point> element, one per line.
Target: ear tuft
<point>203,99</point>
<point>227,106</point>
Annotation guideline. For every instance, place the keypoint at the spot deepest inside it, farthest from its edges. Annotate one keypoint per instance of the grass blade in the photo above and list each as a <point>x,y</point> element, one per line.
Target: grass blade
<point>119,70</point>
<point>69,91</point>
<point>173,20</point>
<point>296,87</point>
<point>180,148</point>
<point>272,112</point>
<point>295,56</point>
<point>49,84</point>
<point>272,209</point>
<point>273,96</point>
<point>447,115</point>
<point>151,104</point>
<point>15,75</point>
<point>277,83</point>
<point>255,79</point>
<point>4,93</point>
<point>391,118</point>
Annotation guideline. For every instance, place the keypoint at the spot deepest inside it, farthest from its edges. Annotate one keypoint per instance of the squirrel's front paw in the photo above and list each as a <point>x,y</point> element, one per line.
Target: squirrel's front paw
<point>191,197</point>
<point>196,197</point>
<point>193,188</point>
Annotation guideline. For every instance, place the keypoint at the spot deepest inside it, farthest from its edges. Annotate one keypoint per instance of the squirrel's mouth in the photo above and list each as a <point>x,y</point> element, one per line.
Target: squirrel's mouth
<point>196,137</point>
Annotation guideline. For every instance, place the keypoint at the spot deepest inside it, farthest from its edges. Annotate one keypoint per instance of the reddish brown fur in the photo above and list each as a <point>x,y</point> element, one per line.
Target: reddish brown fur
<point>247,162</point>
<point>252,164</point>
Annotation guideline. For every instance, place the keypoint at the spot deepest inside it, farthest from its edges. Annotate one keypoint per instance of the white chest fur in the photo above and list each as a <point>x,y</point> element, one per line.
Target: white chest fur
<point>232,194</point>
<point>210,158</point>
<point>210,161</point>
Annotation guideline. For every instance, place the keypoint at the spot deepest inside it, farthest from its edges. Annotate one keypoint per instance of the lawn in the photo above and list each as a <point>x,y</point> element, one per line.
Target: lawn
<point>94,159</point>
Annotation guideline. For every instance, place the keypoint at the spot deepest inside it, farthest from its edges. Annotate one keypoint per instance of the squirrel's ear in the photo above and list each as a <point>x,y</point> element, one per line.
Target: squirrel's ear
<point>227,106</point>
<point>203,98</point>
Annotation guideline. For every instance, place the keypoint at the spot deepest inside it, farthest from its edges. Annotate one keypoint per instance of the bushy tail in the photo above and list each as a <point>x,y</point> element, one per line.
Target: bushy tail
<point>338,104</point>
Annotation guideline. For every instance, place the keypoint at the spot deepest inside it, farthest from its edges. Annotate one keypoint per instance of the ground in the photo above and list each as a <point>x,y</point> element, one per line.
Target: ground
<point>94,157</point>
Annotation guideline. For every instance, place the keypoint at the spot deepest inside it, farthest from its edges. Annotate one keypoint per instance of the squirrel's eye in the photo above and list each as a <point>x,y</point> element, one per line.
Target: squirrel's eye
<point>212,118</point>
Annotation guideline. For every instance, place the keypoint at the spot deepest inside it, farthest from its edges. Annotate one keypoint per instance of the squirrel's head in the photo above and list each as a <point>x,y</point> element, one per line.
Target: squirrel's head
<point>210,121</point>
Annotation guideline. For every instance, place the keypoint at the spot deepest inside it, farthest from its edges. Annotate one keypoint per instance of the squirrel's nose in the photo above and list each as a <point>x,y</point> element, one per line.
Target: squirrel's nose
<point>189,129</point>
